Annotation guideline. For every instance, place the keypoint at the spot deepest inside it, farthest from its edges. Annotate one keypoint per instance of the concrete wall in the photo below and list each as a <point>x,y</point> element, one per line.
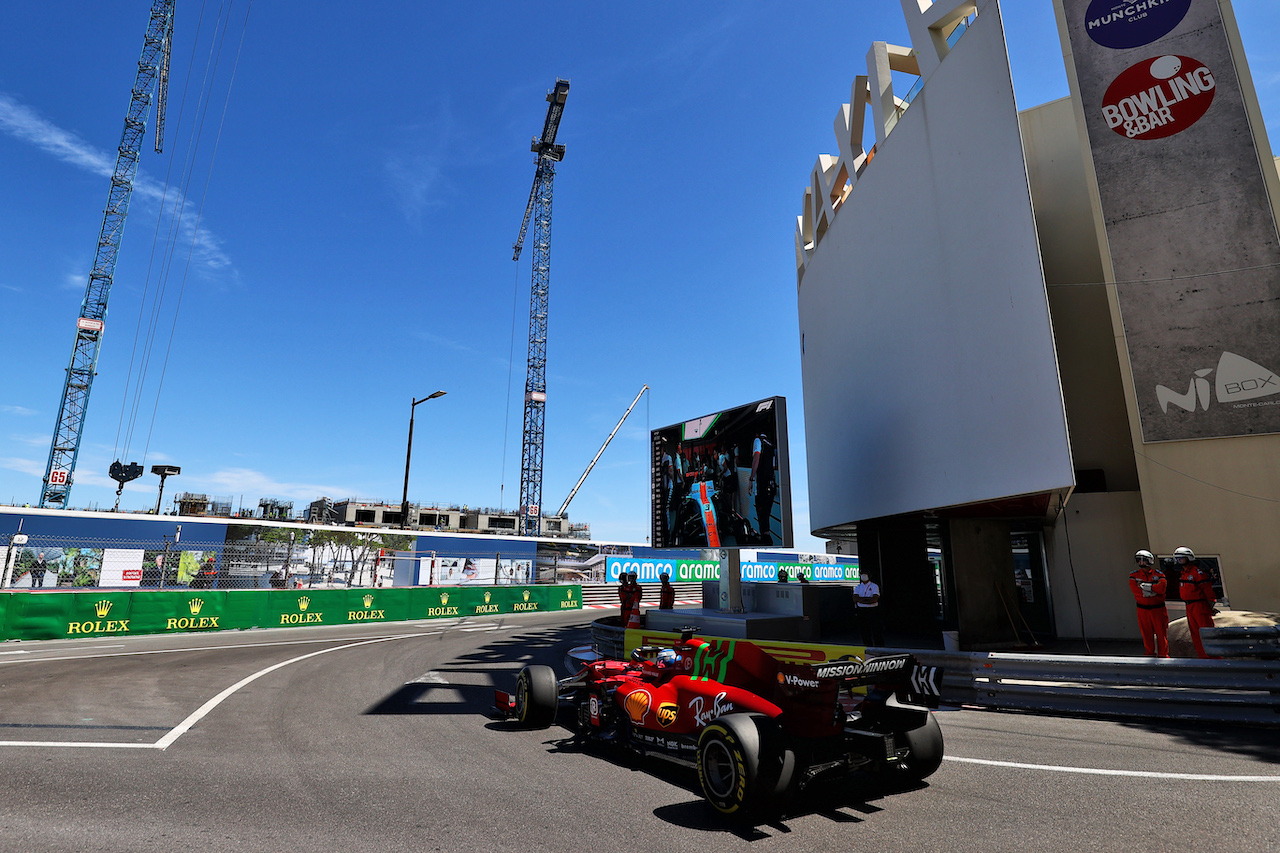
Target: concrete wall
<point>909,409</point>
<point>1073,269</point>
<point>1090,549</point>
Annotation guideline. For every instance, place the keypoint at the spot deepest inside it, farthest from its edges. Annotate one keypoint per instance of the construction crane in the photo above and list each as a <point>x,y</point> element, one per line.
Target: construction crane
<point>153,74</point>
<point>564,507</point>
<point>548,153</point>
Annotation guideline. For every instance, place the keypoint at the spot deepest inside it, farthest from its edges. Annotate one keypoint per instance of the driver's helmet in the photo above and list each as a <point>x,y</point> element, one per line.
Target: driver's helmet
<point>666,659</point>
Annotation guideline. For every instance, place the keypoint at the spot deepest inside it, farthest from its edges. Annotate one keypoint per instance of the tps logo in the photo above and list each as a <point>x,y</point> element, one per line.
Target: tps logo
<point>1158,97</point>
<point>1122,24</point>
<point>1238,379</point>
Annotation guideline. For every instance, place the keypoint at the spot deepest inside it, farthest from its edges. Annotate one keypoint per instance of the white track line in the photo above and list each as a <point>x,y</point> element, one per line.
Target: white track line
<point>199,714</point>
<point>1098,771</point>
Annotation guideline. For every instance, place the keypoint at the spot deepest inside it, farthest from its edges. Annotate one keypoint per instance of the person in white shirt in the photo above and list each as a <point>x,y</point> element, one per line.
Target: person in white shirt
<point>866,600</point>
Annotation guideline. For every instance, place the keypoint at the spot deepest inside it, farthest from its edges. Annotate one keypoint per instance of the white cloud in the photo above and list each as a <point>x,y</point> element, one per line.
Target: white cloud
<point>23,466</point>
<point>24,123</point>
<point>247,481</point>
<point>17,410</point>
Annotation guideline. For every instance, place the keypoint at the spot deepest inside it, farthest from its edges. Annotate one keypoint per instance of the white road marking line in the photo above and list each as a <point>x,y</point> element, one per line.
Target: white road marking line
<point>218,648</point>
<point>431,677</point>
<point>73,743</point>
<point>17,652</point>
<point>1098,771</point>
<point>199,714</point>
<point>481,628</point>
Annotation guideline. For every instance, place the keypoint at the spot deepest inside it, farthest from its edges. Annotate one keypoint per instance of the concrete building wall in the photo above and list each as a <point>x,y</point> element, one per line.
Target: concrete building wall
<point>1088,364</point>
<point>1216,495</point>
<point>1090,550</point>
<point>933,260</point>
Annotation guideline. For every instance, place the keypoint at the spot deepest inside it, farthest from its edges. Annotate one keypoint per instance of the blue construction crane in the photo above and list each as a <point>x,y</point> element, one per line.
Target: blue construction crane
<point>153,73</point>
<point>535,386</point>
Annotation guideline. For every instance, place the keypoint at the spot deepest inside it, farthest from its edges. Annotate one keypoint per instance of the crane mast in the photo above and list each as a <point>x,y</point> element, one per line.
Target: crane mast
<point>535,388</point>
<point>153,65</point>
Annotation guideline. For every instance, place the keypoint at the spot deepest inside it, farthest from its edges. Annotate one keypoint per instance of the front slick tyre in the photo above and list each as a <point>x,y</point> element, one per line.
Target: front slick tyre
<point>740,764</point>
<point>537,697</point>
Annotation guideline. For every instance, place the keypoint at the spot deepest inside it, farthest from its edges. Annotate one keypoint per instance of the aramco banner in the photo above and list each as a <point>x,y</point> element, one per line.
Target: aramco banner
<point>1188,219</point>
<point>650,570</point>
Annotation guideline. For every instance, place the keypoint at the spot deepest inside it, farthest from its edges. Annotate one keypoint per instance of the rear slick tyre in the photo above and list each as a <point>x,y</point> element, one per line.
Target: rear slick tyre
<point>924,756</point>
<point>740,764</point>
<point>537,697</point>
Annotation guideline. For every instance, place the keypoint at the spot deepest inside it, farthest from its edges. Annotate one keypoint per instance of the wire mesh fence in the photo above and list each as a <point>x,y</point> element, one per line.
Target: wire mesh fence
<point>71,563</point>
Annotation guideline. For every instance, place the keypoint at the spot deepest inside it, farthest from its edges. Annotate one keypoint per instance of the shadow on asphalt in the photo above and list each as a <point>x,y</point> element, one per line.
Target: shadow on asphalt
<point>519,650</point>
<point>1262,744</point>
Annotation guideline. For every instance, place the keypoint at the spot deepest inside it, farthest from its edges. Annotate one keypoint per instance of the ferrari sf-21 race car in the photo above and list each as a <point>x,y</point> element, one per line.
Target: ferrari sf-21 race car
<point>757,729</point>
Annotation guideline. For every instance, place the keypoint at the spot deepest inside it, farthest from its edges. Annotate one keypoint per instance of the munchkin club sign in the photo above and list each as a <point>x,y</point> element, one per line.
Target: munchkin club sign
<point>1188,222</point>
<point>1133,23</point>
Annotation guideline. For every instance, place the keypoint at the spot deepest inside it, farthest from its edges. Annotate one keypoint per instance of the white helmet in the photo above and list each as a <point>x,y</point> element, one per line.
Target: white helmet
<point>1144,558</point>
<point>1184,553</point>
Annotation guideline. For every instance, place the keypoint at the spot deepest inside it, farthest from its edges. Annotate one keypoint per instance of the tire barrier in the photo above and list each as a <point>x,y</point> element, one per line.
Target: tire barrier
<point>49,616</point>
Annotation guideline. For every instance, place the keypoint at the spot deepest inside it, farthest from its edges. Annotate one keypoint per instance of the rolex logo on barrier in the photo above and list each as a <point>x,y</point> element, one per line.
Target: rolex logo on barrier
<point>569,602</point>
<point>526,605</point>
<point>487,607</point>
<point>195,622</point>
<point>367,614</point>
<point>444,609</point>
<point>304,616</point>
<point>101,625</point>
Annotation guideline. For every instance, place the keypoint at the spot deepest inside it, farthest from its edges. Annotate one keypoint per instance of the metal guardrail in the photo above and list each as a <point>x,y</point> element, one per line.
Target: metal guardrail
<point>1232,691</point>
<point>1254,642</point>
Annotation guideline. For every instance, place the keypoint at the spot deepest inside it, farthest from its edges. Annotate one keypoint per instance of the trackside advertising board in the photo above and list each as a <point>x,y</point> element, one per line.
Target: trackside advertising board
<point>1186,211</point>
<point>47,616</point>
<point>650,569</point>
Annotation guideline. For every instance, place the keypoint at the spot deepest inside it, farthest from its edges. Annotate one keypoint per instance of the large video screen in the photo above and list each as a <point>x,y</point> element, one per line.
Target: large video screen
<point>723,480</point>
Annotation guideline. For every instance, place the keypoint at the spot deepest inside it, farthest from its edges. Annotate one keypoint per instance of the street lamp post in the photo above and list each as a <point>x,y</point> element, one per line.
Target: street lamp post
<point>408,454</point>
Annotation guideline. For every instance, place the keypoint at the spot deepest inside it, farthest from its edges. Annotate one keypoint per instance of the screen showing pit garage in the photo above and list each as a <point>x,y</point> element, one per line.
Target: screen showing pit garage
<point>723,480</point>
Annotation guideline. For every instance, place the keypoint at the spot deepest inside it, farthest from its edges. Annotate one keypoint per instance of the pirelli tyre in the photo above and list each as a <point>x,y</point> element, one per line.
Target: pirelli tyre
<point>923,746</point>
<point>743,767</point>
<point>537,697</point>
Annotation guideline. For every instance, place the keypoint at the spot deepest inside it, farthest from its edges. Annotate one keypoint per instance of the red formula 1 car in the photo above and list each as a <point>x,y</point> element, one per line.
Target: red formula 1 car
<point>756,728</point>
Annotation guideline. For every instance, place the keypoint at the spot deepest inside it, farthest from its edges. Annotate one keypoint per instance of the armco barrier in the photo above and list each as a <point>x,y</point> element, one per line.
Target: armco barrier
<point>55,615</point>
<point>1231,691</point>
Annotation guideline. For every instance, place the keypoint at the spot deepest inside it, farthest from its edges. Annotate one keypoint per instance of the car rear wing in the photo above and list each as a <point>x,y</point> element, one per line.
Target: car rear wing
<point>910,682</point>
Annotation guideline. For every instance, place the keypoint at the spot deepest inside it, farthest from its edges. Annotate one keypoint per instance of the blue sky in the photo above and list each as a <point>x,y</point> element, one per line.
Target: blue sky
<point>354,250</point>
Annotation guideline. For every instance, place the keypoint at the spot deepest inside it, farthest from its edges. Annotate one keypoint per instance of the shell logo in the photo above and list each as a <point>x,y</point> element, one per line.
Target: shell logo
<point>637,704</point>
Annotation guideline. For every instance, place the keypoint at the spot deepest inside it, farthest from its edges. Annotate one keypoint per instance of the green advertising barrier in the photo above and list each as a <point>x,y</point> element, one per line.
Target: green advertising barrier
<point>48,616</point>
<point>377,605</point>
<point>243,609</point>
<point>293,607</point>
<point>167,612</point>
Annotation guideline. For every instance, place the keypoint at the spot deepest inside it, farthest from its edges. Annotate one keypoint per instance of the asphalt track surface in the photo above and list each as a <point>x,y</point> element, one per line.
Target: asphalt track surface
<point>375,738</point>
